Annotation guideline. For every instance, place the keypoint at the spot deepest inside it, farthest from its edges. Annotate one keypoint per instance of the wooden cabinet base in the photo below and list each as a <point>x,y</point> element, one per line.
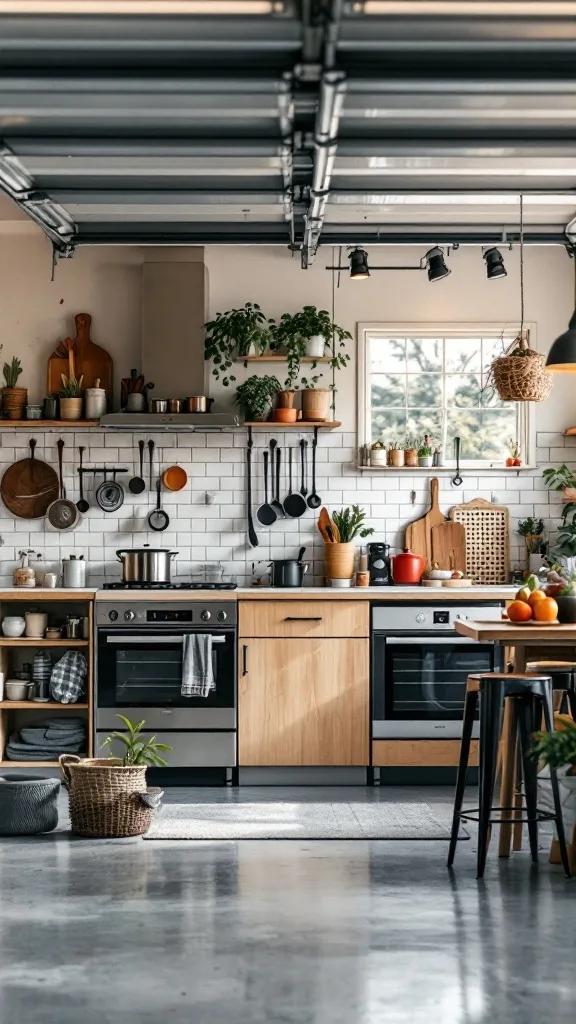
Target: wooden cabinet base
<point>419,753</point>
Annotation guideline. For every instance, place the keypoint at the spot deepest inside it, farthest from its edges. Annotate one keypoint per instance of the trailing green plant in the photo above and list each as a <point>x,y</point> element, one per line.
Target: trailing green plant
<point>557,748</point>
<point>231,334</point>
<point>11,372</point>
<point>255,396</point>
<point>138,750</point>
<point>294,330</point>
<point>350,523</point>
<point>71,388</point>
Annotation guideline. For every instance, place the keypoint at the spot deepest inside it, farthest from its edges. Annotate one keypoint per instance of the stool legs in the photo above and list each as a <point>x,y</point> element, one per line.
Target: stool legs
<point>549,722</point>
<point>470,705</point>
<point>491,697</point>
<point>529,769</point>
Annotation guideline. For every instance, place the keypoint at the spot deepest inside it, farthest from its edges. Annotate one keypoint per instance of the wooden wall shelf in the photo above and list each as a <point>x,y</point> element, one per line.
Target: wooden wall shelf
<point>26,641</point>
<point>281,359</point>
<point>45,424</point>
<point>299,425</point>
<point>32,764</point>
<point>33,705</point>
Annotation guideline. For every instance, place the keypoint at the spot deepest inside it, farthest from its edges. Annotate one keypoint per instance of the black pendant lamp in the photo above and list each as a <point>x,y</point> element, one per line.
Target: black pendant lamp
<point>437,268</point>
<point>359,269</point>
<point>494,264</point>
<point>562,355</point>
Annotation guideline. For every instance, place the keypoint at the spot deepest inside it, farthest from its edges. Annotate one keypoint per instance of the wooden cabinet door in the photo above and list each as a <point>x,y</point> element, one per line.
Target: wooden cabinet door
<point>303,702</point>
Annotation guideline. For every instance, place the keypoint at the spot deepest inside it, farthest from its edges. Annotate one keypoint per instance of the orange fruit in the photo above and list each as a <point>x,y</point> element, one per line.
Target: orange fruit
<point>523,595</point>
<point>545,610</point>
<point>536,595</point>
<point>519,611</point>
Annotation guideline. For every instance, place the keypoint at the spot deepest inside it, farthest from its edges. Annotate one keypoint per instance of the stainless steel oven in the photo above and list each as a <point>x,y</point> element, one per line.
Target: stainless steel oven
<point>139,674</point>
<point>420,665</point>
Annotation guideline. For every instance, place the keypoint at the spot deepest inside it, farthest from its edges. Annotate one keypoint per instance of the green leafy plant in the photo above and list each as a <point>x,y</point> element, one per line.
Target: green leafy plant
<point>394,446</point>
<point>71,388</point>
<point>531,529</point>
<point>425,451</point>
<point>255,396</point>
<point>11,372</point>
<point>231,334</point>
<point>562,479</point>
<point>294,330</point>
<point>138,750</point>
<point>350,523</point>
<point>557,748</point>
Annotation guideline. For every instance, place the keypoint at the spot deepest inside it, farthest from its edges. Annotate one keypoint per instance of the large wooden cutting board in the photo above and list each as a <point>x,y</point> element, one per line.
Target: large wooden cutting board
<point>487,540</point>
<point>449,546</point>
<point>29,486</point>
<point>90,360</point>
<point>418,534</point>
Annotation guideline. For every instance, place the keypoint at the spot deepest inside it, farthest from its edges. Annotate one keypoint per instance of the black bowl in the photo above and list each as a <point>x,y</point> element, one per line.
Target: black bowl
<point>566,608</point>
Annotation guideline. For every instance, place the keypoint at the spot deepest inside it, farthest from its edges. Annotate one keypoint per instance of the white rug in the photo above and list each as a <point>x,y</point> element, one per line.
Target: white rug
<point>279,820</point>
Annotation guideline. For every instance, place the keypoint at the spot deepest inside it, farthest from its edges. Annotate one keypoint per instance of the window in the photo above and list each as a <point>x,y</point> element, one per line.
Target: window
<point>415,381</point>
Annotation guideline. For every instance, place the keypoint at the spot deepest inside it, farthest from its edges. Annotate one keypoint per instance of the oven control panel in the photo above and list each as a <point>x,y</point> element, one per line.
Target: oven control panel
<point>433,617</point>
<point>143,613</point>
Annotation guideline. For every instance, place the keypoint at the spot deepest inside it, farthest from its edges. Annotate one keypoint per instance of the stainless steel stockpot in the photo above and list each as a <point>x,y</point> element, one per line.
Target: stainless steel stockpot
<point>146,565</point>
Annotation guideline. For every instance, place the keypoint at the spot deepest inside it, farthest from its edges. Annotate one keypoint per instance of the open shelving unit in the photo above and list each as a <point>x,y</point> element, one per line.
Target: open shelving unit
<point>44,424</point>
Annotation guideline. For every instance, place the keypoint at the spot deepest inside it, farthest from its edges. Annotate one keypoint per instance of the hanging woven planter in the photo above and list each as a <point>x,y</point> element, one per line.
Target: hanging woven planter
<point>520,375</point>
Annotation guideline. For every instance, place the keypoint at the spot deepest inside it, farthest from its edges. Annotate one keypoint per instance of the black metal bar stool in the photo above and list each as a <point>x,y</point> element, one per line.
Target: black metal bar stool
<point>562,674</point>
<point>530,697</point>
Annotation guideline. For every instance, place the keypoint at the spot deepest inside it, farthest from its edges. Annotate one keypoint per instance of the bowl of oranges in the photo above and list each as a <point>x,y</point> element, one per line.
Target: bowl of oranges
<point>532,606</point>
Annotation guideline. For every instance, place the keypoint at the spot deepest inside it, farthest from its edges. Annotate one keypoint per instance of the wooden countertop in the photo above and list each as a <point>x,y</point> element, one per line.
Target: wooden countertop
<point>510,633</point>
<point>444,595</point>
<point>47,593</point>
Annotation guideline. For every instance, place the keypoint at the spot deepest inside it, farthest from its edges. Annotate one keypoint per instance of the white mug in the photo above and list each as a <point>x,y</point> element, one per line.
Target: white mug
<point>50,579</point>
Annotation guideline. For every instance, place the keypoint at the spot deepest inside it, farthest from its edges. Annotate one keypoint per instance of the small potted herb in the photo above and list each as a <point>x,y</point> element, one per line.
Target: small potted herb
<point>411,451</point>
<point>235,334</point>
<point>256,396</point>
<point>14,399</point>
<point>531,530</point>
<point>425,452</point>
<point>339,557</point>
<point>395,454</point>
<point>514,453</point>
<point>378,454</point>
<point>71,400</point>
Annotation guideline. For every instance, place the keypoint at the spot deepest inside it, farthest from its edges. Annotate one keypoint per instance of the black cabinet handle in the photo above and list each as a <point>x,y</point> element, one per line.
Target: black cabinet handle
<point>303,618</point>
<point>244,659</point>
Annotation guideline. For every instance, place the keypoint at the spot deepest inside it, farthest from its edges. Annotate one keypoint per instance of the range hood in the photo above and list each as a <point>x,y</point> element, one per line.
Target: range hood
<point>184,421</point>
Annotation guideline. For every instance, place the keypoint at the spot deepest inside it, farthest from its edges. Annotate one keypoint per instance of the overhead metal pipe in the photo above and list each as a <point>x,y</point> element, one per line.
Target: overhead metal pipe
<point>332,90</point>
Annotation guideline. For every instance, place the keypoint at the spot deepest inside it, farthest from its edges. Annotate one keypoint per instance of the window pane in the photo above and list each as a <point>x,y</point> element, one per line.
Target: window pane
<point>463,390</point>
<point>425,389</point>
<point>492,348</point>
<point>424,354</point>
<point>463,355</point>
<point>467,425</point>
<point>388,390</point>
<point>483,433</point>
<point>387,354</point>
<point>425,421</point>
<point>388,425</point>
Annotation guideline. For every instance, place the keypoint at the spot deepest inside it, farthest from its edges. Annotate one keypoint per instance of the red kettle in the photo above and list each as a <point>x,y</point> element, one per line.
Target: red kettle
<point>408,567</point>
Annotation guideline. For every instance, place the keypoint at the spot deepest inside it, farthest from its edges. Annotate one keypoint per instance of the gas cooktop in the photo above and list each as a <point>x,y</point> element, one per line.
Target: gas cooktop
<point>170,586</point>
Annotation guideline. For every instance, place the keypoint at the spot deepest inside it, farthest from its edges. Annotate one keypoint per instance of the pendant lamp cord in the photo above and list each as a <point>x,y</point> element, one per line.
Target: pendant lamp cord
<point>521,268</point>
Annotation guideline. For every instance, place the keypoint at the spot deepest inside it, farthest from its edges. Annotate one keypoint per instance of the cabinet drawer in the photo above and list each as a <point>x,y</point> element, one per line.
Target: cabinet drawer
<point>304,618</point>
<point>420,753</point>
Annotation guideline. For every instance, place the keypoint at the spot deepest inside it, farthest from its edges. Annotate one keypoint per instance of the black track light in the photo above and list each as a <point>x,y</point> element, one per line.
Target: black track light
<point>562,355</point>
<point>494,264</point>
<point>436,263</point>
<point>359,269</point>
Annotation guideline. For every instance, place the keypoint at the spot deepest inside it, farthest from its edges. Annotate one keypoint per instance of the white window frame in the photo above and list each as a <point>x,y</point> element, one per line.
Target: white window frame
<point>526,418</point>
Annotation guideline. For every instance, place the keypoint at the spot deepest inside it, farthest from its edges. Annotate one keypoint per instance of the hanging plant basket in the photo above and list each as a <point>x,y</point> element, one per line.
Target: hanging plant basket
<point>520,375</point>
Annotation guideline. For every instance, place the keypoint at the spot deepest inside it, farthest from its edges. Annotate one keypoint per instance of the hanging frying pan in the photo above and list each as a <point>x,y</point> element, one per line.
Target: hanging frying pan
<point>29,486</point>
<point>110,494</point>
<point>158,519</point>
<point>62,514</point>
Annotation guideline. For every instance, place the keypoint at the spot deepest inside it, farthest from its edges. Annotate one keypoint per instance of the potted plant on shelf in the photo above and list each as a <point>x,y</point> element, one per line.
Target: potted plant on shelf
<point>411,445</point>
<point>308,333</point>
<point>425,452</point>
<point>71,398</point>
<point>532,530</point>
<point>235,334</point>
<point>514,450</point>
<point>14,399</point>
<point>339,557</point>
<point>256,396</point>
<point>378,454</point>
<point>108,796</point>
<point>395,454</point>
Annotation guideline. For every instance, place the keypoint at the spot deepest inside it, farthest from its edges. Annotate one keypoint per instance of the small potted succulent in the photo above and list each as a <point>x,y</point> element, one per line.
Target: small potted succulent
<point>71,400</point>
<point>425,452</point>
<point>339,558</point>
<point>14,399</point>
<point>256,397</point>
<point>411,451</point>
<point>378,454</point>
<point>514,453</point>
<point>395,454</point>
<point>235,334</point>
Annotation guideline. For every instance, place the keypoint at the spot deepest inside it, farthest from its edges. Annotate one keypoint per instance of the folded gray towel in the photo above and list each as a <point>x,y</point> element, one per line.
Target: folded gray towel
<point>37,754</point>
<point>197,667</point>
<point>39,736</point>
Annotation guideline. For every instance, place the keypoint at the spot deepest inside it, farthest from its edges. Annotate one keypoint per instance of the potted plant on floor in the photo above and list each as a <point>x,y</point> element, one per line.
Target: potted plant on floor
<point>339,557</point>
<point>235,334</point>
<point>256,396</point>
<point>14,399</point>
<point>108,796</point>
<point>557,750</point>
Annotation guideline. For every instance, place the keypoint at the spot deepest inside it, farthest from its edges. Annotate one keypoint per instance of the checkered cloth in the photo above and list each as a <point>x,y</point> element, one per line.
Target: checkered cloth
<point>68,677</point>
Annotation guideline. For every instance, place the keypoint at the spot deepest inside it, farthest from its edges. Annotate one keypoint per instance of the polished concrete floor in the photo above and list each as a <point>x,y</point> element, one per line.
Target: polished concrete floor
<point>292,932</point>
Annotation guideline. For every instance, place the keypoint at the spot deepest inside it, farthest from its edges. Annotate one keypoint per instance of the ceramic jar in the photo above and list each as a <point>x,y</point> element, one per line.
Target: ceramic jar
<point>18,689</point>
<point>315,404</point>
<point>13,626</point>
<point>315,346</point>
<point>36,623</point>
<point>396,457</point>
<point>96,404</point>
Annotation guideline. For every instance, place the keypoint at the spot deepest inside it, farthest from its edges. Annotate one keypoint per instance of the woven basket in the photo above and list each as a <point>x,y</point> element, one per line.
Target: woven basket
<point>107,798</point>
<point>522,378</point>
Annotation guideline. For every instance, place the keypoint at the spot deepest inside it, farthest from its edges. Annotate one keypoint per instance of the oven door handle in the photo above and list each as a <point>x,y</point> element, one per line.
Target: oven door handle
<point>419,641</point>
<point>156,639</point>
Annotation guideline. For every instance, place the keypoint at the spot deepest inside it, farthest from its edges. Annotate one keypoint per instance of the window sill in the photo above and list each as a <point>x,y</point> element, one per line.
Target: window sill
<point>474,470</point>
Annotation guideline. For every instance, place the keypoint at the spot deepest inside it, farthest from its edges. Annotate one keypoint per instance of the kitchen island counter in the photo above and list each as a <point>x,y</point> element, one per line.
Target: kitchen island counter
<point>442,594</point>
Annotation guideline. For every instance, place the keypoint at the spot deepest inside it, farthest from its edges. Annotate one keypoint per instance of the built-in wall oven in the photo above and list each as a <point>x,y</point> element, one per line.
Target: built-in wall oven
<point>139,674</point>
<point>420,665</point>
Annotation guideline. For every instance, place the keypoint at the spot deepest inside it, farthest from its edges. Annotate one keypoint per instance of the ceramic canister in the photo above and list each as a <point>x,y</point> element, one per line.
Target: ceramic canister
<point>36,623</point>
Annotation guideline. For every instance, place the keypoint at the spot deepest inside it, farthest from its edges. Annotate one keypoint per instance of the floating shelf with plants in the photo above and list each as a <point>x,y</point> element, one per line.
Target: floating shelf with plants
<point>298,425</point>
<point>272,358</point>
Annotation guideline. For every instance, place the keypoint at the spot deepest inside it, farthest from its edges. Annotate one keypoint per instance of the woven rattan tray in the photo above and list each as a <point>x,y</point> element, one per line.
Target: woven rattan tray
<point>487,540</point>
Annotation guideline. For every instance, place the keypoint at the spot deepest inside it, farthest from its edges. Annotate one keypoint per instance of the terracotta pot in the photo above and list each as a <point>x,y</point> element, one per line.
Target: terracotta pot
<point>14,402</point>
<point>315,404</point>
<point>285,415</point>
<point>396,457</point>
<point>339,561</point>
<point>408,567</point>
<point>411,457</point>
<point>285,399</point>
<point>71,408</point>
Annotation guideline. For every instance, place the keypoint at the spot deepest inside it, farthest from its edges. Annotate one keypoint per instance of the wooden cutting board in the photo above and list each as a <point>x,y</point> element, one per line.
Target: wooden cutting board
<point>29,487</point>
<point>90,360</point>
<point>418,534</point>
<point>449,546</point>
<point>487,540</point>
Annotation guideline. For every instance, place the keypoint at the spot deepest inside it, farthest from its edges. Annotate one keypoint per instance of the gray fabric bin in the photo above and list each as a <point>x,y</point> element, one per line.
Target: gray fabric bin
<point>28,805</point>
